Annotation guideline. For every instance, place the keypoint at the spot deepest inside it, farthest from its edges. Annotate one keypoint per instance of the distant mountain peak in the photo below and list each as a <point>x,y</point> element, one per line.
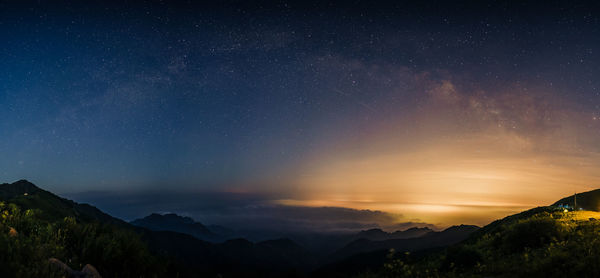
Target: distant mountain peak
<point>461,228</point>
<point>418,229</point>
<point>170,216</point>
<point>23,183</point>
<point>378,234</point>
<point>175,223</point>
<point>374,231</point>
<point>18,188</point>
<point>28,196</point>
<point>408,240</point>
<point>184,219</point>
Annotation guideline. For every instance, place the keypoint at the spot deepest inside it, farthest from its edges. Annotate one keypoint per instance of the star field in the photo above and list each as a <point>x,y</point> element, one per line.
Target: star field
<point>336,104</point>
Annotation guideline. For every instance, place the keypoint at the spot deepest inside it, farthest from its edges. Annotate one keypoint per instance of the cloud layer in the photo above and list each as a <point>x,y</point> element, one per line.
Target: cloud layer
<point>246,212</point>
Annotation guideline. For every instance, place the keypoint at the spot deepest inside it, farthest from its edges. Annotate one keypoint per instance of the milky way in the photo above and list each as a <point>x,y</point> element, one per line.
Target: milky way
<point>445,113</point>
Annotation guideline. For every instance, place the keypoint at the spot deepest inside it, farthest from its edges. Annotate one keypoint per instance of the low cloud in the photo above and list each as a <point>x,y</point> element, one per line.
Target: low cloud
<point>244,212</point>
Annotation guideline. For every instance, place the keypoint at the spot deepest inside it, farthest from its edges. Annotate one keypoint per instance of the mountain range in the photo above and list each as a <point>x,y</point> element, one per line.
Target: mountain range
<point>179,245</point>
<point>429,240</point>
<point>175,223</point>
<point>216,233</point>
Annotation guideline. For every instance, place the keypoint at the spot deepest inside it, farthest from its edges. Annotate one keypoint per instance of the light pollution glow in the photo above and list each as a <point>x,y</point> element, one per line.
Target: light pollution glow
<point>469,159</point>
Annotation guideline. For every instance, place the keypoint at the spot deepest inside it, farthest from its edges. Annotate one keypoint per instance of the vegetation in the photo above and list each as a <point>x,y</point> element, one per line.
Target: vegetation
<point>543,242</point>
<point>36,225</point>
<point>28,240</point>
<point>585,200</point>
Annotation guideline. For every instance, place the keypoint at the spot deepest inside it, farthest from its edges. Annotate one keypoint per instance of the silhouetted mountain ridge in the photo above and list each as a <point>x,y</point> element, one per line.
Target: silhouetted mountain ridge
<point>193,256</point>
<point>432,239</point>
<point>589,200</point>
<point>28,196</point>
<point>175,223</point>
<point>18,188</point>
<point>378,234</point>
<point>172,236</point>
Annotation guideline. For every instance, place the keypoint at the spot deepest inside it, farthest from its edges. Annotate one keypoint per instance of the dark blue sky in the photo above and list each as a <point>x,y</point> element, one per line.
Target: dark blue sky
<point>237,97</point>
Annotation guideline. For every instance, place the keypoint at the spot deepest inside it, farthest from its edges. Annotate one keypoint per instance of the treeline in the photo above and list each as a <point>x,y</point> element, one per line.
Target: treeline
<point>542,242</point>
<point>28,241</point>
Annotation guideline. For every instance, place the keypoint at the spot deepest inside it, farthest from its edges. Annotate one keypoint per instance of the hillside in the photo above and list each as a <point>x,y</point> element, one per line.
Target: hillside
<point>38,225</point>
<point>51,207</point>
<point>589,200</point>
<point>541,242</point>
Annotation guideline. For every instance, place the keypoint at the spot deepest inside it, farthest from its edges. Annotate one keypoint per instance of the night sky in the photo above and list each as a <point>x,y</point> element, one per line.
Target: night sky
<point>443,113</point>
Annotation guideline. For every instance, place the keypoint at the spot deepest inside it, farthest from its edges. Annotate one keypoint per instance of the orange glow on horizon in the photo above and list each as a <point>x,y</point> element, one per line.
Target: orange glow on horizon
<point>460,164</point>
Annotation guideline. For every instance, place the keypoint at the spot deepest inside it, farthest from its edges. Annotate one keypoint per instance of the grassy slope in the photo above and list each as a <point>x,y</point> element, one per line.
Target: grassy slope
<point>187,256</point>
<point>541,242</point>
<point>53,208</point>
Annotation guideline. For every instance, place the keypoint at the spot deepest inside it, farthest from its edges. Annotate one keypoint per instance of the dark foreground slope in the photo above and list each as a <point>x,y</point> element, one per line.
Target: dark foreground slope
<point>51,207</point>
<point>37,225</point>
<point>541,242</point>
